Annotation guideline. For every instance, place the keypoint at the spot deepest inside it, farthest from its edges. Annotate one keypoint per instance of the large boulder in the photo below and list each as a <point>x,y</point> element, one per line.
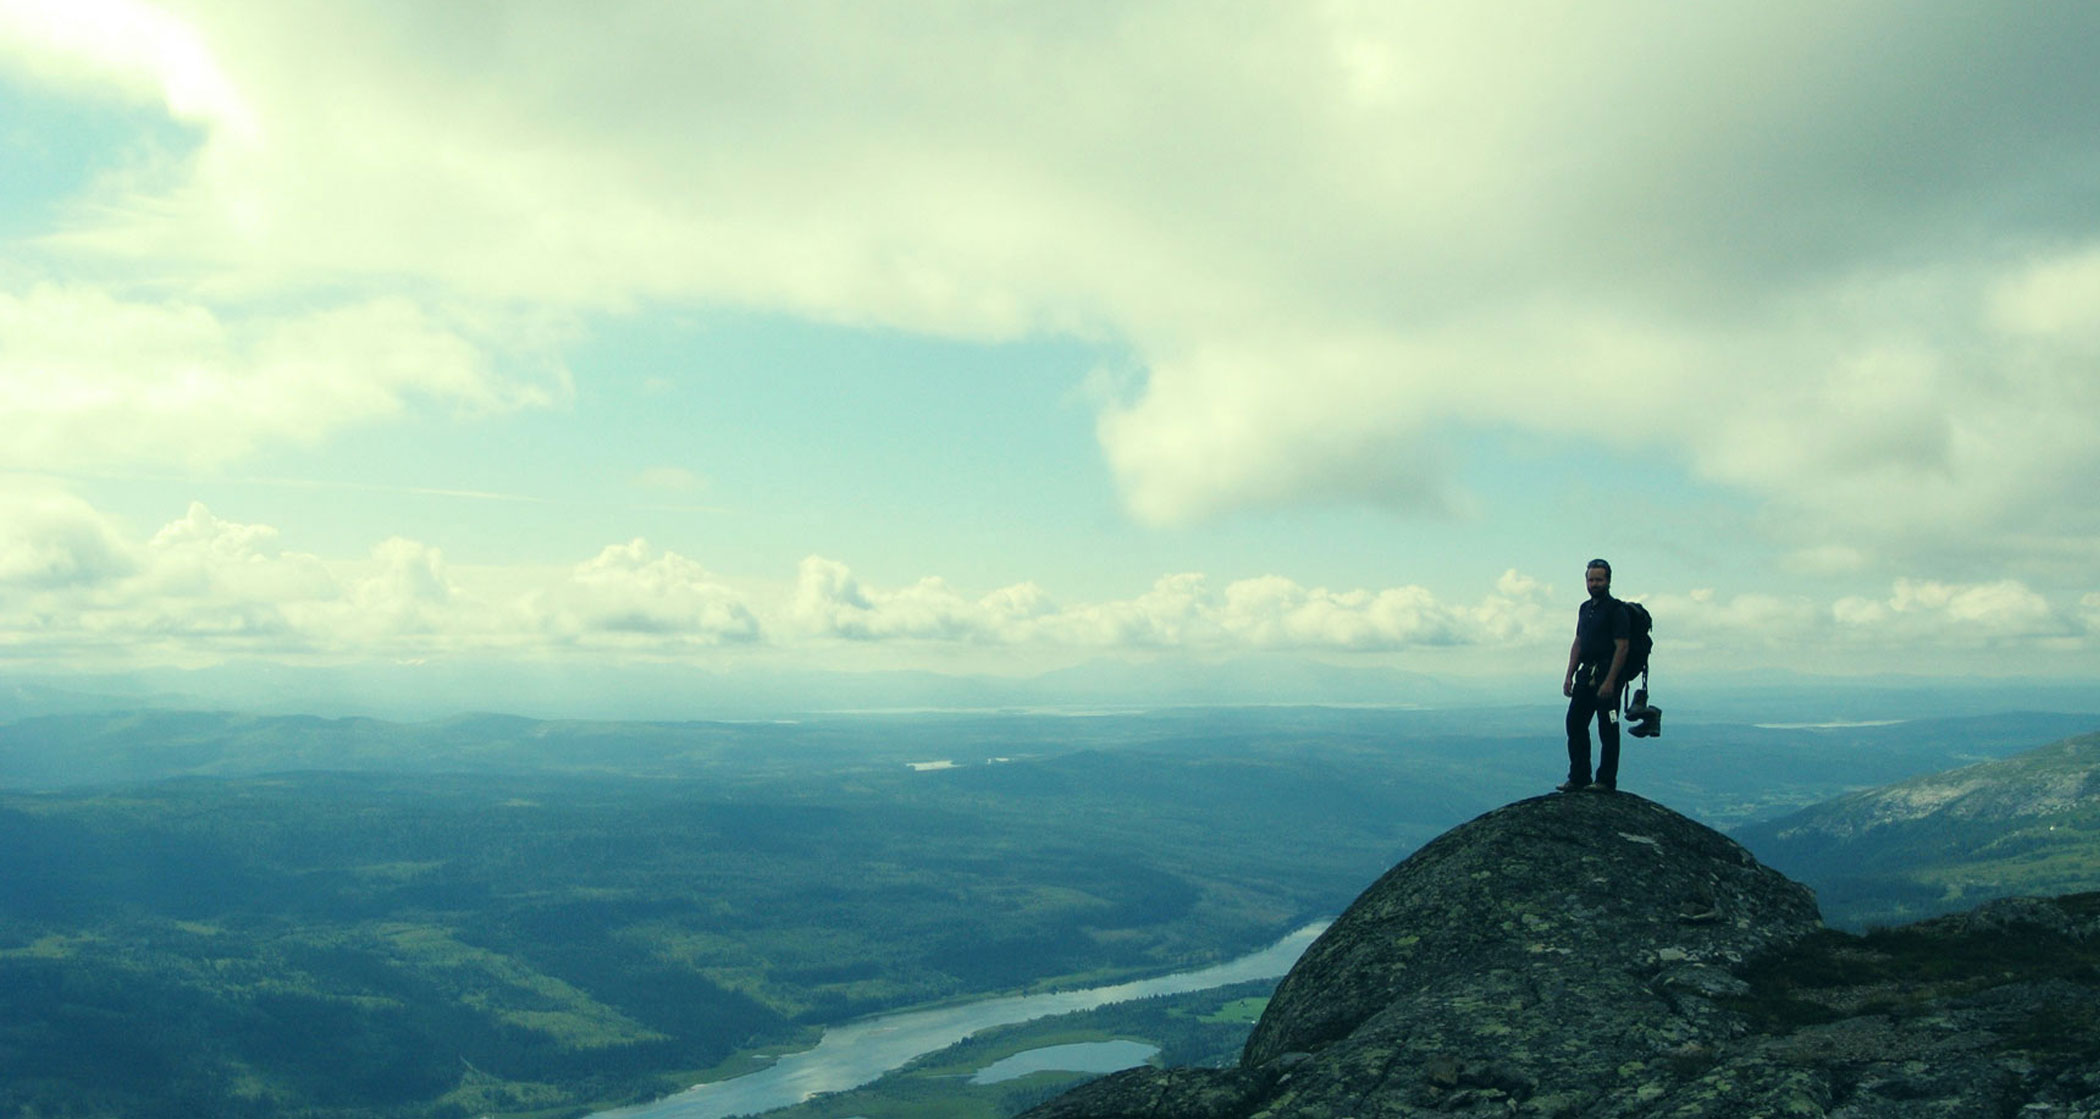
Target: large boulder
<point>1596,954</point>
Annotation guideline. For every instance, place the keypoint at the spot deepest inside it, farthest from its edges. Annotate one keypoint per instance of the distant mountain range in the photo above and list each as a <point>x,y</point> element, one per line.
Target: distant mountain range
<point>678,691</point>
<point>2023,825</point>
<point>664,691</point>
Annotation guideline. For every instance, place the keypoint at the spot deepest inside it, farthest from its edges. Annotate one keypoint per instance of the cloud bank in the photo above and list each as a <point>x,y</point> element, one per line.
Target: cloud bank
<point>76,592</point>
<point>1840,260</point>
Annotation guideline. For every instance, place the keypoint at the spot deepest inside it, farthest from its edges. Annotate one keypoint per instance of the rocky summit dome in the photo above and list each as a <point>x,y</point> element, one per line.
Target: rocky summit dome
<point>1599,955</point>
<point>1528,899</point>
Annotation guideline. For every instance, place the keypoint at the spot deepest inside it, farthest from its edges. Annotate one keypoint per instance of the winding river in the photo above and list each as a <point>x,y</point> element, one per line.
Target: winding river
<point>856,1053</point>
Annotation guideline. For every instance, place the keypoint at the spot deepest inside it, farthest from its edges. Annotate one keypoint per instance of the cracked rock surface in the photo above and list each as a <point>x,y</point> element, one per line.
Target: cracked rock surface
<point>1598,955</point>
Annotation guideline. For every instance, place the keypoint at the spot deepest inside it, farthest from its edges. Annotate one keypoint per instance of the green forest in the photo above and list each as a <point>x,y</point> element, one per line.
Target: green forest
<point>219,915</point>
<point>335,944</point>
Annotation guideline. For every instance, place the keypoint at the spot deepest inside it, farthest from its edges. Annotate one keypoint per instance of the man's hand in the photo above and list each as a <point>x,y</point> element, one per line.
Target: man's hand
<point>1604,690</point>
<point>1567,687</point>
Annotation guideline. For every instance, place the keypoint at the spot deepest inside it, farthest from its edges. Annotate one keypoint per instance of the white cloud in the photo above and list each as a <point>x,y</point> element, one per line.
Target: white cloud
<point>1179,611</point>
<point>1921,627</point>
<point>831,601</point>
<point>1762,243</point>
<point>1176,611</point>
<point>1917,623</point>
<point>1705,620</point>
<point>74,589</point>
<point>202,583</point>
<point>202,556</point>
<point>409,593</point>
<point>1259,424</point>
<point>2054,296</point>
<point>1821,255</point>
<point>631,589</point>
<point>138,48</point>
<point>1958,614</point>
<point>52,540</point>
<point>1275,612</point>
<point>91,380</point>
<point>203,587</point>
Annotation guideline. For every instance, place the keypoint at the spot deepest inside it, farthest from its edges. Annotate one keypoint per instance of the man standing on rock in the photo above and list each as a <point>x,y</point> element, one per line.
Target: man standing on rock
<point>1592,683</point>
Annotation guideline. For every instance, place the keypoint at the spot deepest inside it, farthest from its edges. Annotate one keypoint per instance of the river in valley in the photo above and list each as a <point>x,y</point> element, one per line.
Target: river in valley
<point>856,1053</point>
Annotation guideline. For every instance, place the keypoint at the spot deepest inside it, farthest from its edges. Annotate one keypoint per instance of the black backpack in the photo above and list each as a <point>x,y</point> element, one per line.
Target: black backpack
<point>1639,641</point>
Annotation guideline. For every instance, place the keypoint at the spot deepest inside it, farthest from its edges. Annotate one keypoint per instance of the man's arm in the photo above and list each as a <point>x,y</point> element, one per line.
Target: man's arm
<point>1567,683</point>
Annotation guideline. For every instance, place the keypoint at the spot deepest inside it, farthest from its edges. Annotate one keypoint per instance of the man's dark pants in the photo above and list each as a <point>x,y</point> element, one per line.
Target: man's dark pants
<point>1583,706</point>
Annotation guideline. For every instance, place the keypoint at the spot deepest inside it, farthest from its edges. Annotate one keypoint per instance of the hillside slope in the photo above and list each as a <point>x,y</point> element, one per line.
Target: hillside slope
<point>2024,825</point>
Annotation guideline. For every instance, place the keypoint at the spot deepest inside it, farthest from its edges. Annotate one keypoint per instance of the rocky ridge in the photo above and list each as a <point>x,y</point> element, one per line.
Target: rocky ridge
<point>1598,955</point>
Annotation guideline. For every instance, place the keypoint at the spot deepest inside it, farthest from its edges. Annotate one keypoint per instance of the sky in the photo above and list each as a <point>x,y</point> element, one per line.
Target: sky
<point>1000,337</point>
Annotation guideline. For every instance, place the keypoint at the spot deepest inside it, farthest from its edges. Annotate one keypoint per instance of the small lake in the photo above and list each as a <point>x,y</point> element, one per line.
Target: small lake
<point>857,1053</point>
<point>1099,1057</point>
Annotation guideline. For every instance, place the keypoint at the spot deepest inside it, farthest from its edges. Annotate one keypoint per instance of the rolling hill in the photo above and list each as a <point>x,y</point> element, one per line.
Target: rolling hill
<point>2023,825</point>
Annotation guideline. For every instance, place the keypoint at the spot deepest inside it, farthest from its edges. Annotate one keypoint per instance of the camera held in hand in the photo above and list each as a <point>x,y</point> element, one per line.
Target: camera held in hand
<point>1643,721</point>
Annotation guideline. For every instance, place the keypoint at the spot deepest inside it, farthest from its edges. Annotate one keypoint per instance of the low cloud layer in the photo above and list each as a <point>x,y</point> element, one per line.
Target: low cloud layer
<point>632,591</point>
<point>1179,611</point>
<point>76,592</point>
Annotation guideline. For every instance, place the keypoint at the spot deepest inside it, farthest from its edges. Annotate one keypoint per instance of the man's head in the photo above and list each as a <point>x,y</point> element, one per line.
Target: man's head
<point>1598,578</point>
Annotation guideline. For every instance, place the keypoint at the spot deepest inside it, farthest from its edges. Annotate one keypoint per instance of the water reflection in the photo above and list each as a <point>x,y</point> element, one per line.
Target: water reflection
<point>1098,1057</point>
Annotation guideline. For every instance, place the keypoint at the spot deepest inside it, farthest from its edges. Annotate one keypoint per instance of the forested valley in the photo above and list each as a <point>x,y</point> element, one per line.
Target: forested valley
<point>319,943</point>
<point>223,916</point>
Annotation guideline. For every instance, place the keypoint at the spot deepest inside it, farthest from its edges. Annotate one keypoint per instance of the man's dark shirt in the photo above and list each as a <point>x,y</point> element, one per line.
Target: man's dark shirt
<point>1598,626</point>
